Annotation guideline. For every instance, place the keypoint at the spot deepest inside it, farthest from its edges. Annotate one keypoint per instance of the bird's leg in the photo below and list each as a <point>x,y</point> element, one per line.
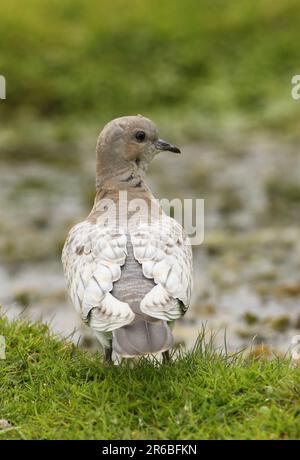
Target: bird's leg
<point>108,355</point>
<point>166,357</point>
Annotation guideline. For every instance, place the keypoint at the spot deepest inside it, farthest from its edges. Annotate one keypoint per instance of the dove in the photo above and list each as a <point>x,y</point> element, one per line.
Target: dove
<point>128,265</point>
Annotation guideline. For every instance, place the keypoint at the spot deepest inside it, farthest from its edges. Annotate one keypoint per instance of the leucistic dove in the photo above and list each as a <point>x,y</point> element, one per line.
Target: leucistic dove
<point>128,266</point>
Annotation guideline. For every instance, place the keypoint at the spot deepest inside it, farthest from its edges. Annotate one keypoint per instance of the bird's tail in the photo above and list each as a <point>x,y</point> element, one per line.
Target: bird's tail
<point>142,338</point>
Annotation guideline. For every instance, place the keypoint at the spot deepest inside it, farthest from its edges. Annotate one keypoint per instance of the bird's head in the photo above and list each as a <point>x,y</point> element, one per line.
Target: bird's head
<point>128,144</point>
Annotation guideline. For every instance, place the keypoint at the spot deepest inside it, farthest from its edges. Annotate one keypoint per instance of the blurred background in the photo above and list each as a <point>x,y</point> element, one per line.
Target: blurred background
<point>215,76</point>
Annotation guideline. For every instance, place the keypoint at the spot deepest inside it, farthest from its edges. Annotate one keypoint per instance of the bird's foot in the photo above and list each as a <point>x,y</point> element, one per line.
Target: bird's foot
<point>166,357</point>
<point>107,359</point>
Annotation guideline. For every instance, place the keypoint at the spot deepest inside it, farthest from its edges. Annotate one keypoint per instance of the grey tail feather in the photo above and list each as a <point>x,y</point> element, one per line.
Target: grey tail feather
<point>142,338</point>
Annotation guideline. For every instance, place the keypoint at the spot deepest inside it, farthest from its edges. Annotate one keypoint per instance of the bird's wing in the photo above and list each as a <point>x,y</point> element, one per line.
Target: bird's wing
<point>164,251</point>
<point>92,259</point>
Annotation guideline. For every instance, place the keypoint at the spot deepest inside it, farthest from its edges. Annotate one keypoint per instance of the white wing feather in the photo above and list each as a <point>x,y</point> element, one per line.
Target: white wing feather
<point>92,259</point>
<point>165,253</point>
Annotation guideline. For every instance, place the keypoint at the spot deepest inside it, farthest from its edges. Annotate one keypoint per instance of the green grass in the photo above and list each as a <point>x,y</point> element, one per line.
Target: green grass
<point>50,389</point>
<point>194,65</point>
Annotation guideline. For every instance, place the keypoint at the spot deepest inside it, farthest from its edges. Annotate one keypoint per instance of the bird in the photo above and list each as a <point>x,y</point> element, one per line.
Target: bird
<point>129,271</point>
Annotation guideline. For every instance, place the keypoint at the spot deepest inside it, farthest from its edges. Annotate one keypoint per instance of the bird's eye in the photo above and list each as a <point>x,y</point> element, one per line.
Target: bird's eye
<point>140,136</point>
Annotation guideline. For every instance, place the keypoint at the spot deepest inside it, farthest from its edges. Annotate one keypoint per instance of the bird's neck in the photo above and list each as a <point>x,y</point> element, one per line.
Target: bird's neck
<point>116,200</point>
<point>132,177</point>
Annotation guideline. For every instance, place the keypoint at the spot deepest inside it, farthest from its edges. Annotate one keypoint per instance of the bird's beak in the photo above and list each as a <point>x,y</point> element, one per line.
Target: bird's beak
<point>162,145</point>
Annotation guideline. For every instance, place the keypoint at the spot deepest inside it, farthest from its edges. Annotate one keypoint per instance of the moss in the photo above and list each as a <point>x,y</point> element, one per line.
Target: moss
<point>230,201</point>
<point>279,324</point>
<point>250,318</point>
<point>288,290</point>
<point>23,298</point>
<point>283,198</point>
<point>205,309</point>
